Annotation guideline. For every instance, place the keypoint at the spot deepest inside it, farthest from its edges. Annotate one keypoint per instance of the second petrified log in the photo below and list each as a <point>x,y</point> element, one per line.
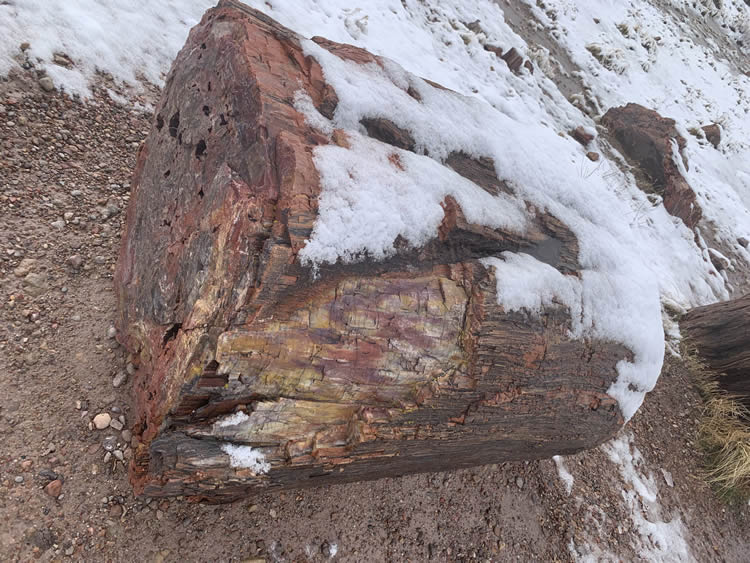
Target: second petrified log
<point>256,373</point>
<point>720,334</point>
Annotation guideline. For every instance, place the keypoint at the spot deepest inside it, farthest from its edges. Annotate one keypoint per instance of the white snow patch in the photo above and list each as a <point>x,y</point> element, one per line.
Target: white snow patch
<point>660,539</point>
<point>373,193</point>
<point>232,419</point>
<point>564,474</point>
<point>303,103</point>
<point>673,65</point>
<point>246,457</point>
<point>131,40</point>
<point>657,537</point>
<point>523,282</point>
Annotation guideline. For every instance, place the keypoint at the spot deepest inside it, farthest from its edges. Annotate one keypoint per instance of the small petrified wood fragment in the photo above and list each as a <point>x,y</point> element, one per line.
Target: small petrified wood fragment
<point>253,373</point>
<point>653,143</point>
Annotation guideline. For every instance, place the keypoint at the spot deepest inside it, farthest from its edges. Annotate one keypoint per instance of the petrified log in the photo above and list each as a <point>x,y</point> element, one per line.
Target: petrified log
<point>254,372</point>
<point>653,142</point>
<point>720,334</point>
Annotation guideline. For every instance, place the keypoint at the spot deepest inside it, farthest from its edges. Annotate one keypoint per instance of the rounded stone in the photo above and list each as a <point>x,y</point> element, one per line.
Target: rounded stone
<point>102,420</point>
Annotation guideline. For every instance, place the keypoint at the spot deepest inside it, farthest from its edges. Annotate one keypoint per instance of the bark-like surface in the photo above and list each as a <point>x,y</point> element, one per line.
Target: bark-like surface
<point>720,334</point>
<point>367,370</point>
<point>647,138</point>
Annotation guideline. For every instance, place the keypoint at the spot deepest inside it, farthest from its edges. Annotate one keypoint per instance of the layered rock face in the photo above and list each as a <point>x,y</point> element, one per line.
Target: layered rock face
<point>648,139</point>
<point>256,372</point>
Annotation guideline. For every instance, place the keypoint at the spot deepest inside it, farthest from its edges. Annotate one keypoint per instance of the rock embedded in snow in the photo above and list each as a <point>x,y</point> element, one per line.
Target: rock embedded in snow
<point>653,142</point>
<point>713,134</point>
<point>442,327</point>
<point>581,135</point>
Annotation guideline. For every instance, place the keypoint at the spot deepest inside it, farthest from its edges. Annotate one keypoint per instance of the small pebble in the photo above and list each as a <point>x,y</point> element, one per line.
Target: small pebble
<point>54,488</point>
<point>109,443</point>
<point>119,379</point>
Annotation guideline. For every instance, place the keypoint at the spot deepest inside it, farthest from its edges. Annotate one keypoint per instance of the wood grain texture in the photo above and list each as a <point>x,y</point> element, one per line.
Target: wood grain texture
<point>720,334</point>
<point>361,371</point>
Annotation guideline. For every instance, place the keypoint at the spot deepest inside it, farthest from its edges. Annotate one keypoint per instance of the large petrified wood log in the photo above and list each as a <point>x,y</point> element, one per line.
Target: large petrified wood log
<point>650,140</point>
<point>255,374</point>
<point>720,334</point>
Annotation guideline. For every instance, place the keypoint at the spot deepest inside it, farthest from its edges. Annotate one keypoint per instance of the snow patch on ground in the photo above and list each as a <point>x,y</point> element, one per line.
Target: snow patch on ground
<point>565,476</point>
<point>131,40</point>
<point>246,457</point>
<point>688,80</point>
<point>659,537</point>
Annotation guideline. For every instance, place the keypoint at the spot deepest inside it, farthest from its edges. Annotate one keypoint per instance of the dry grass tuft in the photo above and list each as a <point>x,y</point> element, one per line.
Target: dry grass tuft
<point>724,432</point>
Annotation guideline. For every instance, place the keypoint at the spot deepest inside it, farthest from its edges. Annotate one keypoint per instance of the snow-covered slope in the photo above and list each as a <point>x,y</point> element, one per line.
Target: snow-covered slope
<point>634,254</point>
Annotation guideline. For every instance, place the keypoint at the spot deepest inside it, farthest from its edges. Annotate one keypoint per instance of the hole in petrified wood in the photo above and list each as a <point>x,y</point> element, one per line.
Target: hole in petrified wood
<point>200,148</point>
<point>174,124</point>
<point>167,173</point>
<point>159,122</point>
<point>171,333</point>
<point>206,110</point>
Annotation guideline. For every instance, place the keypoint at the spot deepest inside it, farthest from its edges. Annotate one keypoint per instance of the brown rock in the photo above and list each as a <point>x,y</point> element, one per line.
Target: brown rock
<point>647,137</point>
<point>494,49</point>
<point>54,488</point>
<point>366,370</point>
<point>580,135</point>
<point>593,156</point>
<point>713,134</point>
<point>513,59</point>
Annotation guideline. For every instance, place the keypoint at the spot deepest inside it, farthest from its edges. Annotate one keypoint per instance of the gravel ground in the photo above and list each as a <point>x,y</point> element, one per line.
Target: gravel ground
<point>64,181</point>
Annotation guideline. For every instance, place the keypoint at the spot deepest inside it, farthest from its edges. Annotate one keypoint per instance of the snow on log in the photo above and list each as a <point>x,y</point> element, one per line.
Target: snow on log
<point>317,292</point>
<point>720,334</point>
